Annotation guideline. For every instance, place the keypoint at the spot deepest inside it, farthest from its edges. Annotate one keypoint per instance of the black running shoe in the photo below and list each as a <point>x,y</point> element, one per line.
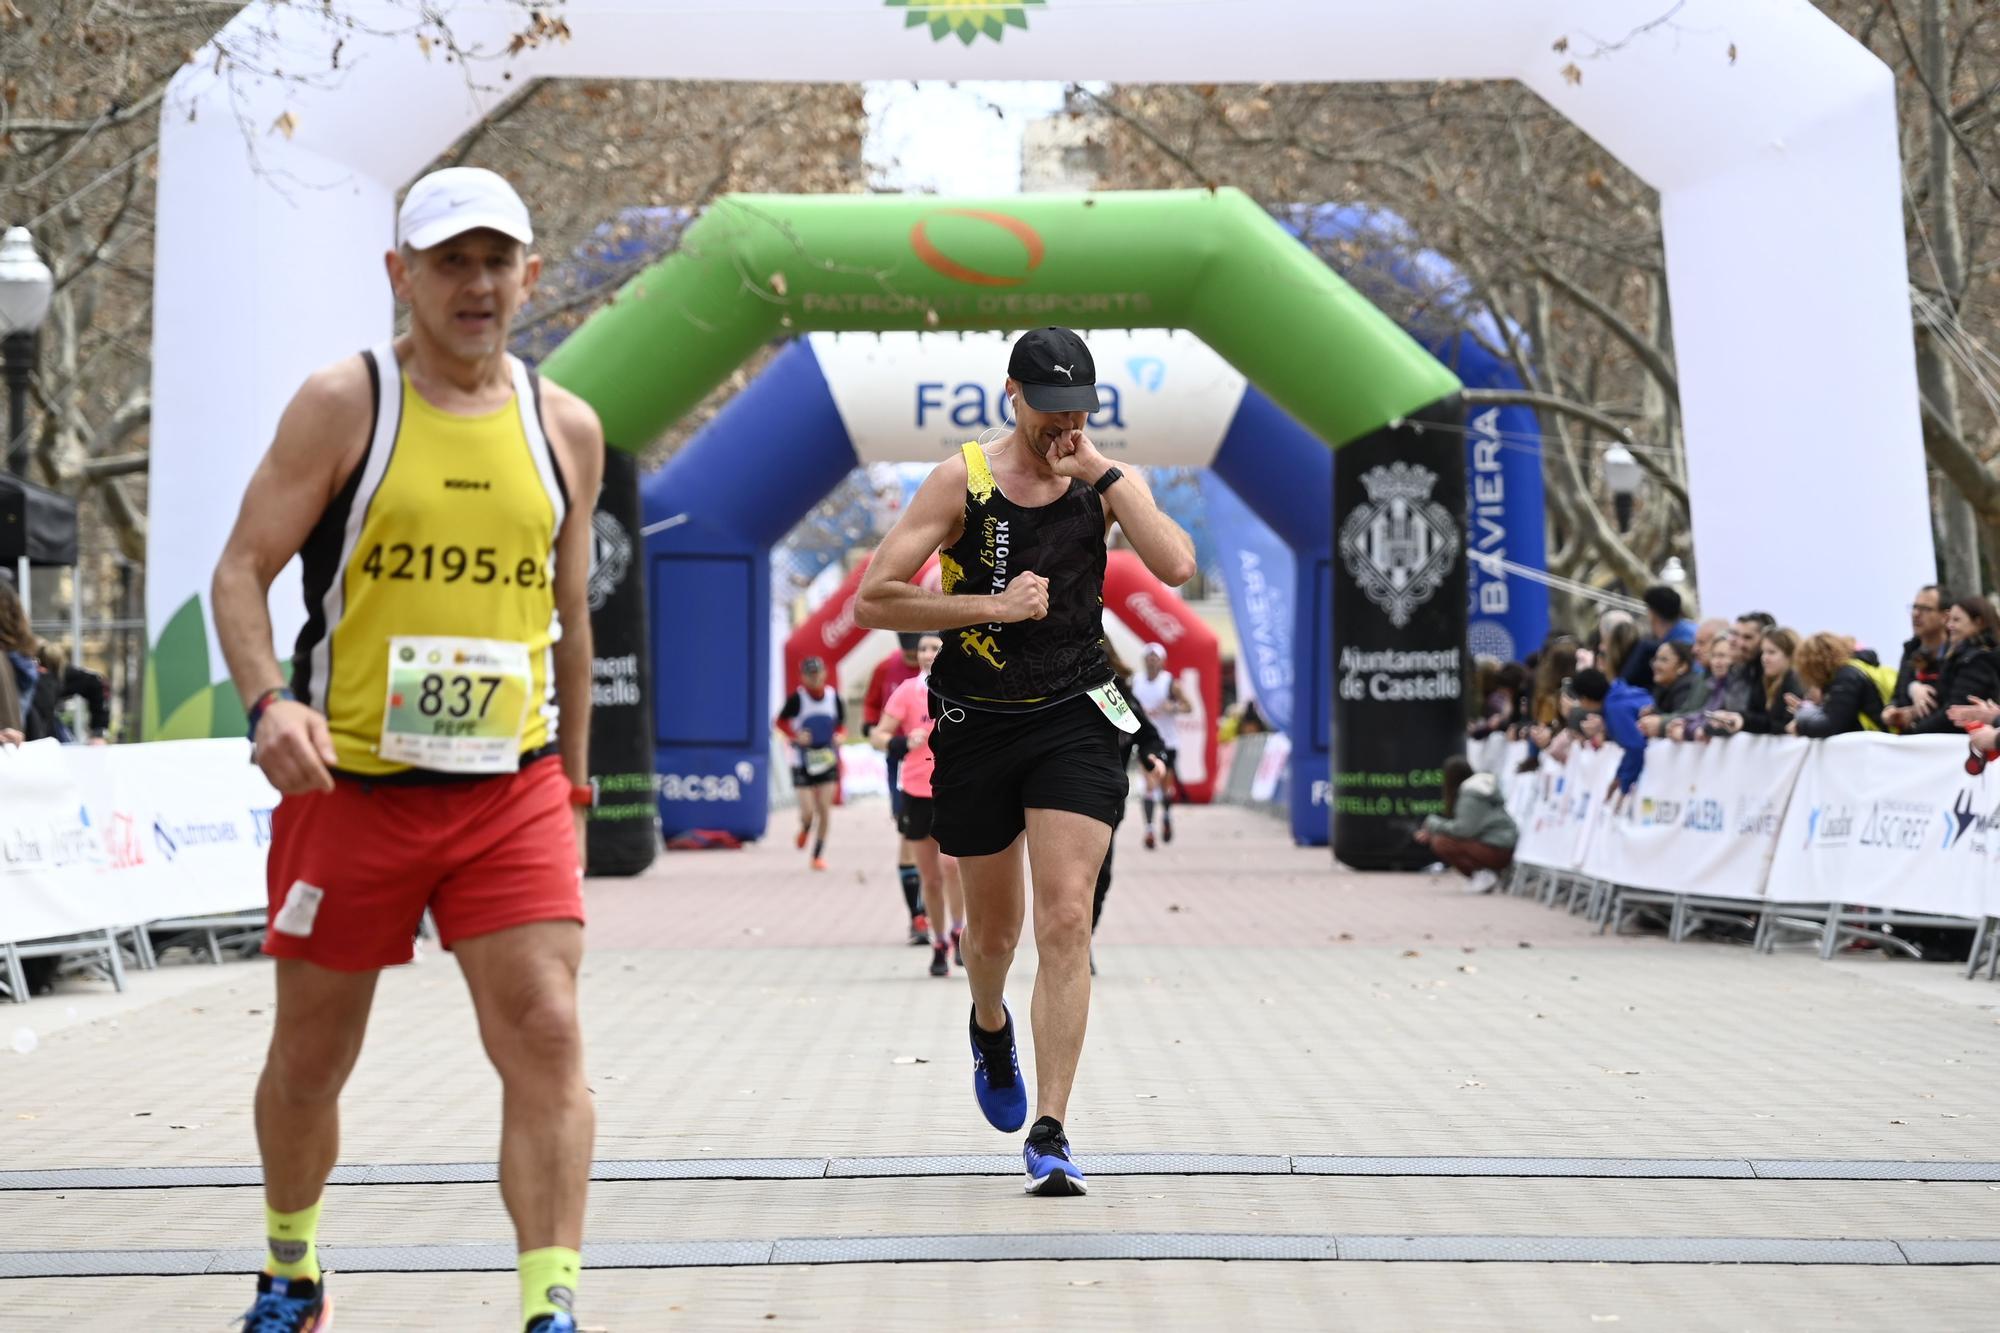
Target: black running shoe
<point>1166,827</point>
<point>940,960</point>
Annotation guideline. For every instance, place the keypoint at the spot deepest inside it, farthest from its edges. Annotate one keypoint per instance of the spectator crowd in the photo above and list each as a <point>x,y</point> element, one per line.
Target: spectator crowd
<point>1673,680</point>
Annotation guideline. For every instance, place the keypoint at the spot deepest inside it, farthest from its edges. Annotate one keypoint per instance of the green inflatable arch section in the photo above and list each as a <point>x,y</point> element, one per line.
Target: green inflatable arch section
<point>756,267</point>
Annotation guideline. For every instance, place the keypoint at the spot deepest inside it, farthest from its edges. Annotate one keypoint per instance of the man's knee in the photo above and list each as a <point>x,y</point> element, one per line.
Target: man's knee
<point>1063,921</point>
<point>985,938</point>
<point>535,1033</point>
<point>309,1072</point>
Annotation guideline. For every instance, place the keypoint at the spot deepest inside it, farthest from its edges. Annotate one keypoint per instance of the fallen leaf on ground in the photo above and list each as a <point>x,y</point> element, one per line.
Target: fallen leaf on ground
<point>909,1060</point>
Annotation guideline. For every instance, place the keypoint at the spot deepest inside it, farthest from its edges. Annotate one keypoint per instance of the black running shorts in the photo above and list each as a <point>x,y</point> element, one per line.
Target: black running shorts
<point>994,767</point>
<point>914,820</point>
<point>801,778</point>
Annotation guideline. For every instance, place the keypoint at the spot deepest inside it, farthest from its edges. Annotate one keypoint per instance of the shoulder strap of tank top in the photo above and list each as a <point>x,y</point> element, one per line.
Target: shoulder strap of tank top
<point>528,397</point>
<point>979,481</point>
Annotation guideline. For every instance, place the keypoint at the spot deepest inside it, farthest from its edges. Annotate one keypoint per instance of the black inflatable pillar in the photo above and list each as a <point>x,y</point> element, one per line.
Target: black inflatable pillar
<point>623,834</point>
<point>1399,617</point>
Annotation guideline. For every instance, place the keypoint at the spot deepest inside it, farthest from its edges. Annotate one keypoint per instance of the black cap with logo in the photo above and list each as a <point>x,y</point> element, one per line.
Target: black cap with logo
<point>1054,370</point>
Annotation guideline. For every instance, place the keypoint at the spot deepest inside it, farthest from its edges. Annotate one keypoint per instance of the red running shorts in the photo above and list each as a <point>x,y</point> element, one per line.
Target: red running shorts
<point>352,870</point>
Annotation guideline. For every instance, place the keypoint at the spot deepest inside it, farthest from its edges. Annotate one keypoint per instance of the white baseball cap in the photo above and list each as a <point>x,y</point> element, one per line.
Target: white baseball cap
<point>456,200</point>
<point>1154,650</point>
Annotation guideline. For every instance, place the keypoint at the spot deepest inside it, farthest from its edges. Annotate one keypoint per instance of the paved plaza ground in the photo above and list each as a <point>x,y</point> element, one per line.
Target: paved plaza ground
<point>1309,1100</point>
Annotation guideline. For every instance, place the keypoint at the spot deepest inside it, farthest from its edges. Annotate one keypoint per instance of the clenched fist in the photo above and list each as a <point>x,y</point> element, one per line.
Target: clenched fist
<point>1026,598</point>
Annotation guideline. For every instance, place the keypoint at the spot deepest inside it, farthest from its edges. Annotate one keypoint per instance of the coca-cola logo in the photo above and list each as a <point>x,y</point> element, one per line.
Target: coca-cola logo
<point>839,625</point>
<point>1162,626</point>
<point>121,843</point>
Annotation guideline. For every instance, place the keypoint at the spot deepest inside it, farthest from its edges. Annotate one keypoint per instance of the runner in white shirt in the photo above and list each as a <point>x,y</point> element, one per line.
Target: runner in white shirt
<point>1162,698</point>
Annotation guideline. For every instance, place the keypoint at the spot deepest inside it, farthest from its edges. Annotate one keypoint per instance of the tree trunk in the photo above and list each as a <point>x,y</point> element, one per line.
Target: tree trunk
<point>1937,378</point>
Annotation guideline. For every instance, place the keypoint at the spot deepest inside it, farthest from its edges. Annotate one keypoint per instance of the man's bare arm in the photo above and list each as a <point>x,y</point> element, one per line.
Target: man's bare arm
<point>1162,543</point>
<point>320,440</point>
<point>581,449</point>
<point>888,600</point>
<point>322,433</point>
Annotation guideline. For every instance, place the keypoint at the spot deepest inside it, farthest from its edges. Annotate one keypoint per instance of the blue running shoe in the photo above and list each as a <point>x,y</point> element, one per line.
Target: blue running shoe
<point>996,1075</point>
<point>289,1305</point>
<point>1051,1171</point>
<point>551,1323</point>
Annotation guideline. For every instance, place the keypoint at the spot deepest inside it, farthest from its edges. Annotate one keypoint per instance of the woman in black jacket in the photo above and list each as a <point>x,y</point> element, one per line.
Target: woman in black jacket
<point>1825,663</point>
<point>1767,713</point>
<point>1971,668</point>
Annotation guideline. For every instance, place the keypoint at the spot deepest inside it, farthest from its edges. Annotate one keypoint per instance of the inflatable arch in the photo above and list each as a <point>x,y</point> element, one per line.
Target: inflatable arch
<point>1777,165</point>
<point>829,402</point>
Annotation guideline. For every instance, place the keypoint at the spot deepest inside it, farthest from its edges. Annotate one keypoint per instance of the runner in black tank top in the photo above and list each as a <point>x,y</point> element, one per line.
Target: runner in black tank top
<point>1028,719</point>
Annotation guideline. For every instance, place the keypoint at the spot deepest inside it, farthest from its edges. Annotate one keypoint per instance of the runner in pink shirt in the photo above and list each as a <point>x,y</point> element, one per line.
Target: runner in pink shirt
<point>908,712</point>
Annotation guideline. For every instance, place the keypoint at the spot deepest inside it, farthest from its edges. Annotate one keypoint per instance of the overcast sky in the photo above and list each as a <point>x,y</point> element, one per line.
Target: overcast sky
<point>952,139</point>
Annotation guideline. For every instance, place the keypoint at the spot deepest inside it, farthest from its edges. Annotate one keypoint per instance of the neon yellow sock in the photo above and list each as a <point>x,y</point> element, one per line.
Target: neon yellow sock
<point>292,1252</point>
<point>548,1281</point>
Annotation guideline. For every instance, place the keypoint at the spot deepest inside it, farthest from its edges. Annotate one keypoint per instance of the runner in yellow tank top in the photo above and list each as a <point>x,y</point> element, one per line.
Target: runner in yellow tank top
<point>431,745</point>
<point>459,516</point>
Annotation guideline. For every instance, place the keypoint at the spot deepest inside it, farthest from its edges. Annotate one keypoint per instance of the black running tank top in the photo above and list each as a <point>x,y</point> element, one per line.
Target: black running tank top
<point>1032,663</point>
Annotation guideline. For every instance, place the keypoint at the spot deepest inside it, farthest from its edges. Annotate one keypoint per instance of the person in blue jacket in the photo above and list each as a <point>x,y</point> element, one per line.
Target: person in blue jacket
<point>1619,704</point>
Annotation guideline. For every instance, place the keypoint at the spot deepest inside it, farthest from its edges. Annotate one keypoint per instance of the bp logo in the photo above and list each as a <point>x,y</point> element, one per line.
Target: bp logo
<point>610,557</point>
<point>967,19</point>
<point>1400,543</point>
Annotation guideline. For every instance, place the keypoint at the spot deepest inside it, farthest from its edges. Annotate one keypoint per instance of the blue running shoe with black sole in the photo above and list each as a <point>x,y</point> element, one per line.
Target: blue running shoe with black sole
<point>289,1305</point>
<point>552,1323</point>
<point>1052,1173</point>
<point>996,1075</point>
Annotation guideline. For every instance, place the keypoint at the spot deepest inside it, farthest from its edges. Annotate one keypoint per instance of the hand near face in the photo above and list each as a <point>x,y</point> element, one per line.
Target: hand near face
<point>1073,455</point>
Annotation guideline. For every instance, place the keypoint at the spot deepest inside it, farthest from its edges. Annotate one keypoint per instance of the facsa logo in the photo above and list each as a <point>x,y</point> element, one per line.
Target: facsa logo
<point>699,787</point>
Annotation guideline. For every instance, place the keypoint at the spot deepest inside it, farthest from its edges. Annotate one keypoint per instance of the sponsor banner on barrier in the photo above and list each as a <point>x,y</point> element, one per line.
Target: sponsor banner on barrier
<point>121,835</point>
<point>1893,822</point>
<point>46,845</point>
<point>1560,804</point>
<point>1702,819</point>
<point>1270,768</point>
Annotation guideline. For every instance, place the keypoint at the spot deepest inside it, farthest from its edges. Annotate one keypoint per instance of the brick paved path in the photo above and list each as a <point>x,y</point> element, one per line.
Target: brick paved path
<point>1251,1001</point>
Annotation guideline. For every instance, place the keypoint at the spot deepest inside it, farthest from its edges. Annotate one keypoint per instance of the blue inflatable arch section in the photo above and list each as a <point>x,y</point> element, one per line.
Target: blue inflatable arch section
<point>716,508</point>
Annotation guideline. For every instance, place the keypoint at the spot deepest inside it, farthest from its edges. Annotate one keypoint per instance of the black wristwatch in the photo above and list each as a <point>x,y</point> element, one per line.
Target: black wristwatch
<point>1104,483</point>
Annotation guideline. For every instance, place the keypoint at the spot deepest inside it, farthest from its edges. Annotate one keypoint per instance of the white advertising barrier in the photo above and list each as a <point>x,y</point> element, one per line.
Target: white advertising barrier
<point>46,856</point>
<point>1559,807</point>
<point>121,835</point>
<point>1702,819</point>
<point>1270,767</point>
<point>1893,822</point>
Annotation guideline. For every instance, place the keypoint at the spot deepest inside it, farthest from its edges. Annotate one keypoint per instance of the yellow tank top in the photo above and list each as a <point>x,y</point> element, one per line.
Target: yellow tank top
<point>446,530</point>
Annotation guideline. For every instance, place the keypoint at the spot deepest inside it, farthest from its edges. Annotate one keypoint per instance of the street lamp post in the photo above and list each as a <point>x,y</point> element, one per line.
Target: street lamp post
<point>25,288</point>
<point>1622,474</point>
